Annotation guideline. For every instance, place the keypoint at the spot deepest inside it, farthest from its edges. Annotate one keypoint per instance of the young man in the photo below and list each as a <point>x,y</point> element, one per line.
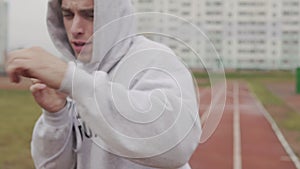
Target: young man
<point>120,102</point>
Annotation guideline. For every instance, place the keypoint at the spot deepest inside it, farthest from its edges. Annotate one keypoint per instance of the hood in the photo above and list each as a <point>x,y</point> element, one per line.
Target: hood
<point>114,27</point>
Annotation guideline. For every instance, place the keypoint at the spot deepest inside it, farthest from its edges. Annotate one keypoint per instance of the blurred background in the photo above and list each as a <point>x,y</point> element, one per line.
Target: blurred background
<point>246,34</point>
<point>256,42</point>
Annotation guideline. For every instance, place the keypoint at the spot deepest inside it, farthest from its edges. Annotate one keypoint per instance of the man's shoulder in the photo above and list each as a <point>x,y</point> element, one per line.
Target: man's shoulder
<point>142,42</point>
<point>148,52</point>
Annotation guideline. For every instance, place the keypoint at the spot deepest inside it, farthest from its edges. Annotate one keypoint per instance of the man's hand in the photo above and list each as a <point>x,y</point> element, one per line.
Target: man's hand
<point>36,63</point>
<point>49,99</point>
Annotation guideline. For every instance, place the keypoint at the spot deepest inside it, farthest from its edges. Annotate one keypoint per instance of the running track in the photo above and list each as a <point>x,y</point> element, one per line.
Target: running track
<point>244,138</point>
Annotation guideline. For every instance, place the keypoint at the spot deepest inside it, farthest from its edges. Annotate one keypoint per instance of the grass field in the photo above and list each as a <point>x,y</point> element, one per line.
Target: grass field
<point>19,113</point>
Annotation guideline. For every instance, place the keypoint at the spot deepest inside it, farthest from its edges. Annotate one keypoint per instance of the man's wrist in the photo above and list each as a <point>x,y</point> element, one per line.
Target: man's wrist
<point>58,118</point>
<point>57,107</point>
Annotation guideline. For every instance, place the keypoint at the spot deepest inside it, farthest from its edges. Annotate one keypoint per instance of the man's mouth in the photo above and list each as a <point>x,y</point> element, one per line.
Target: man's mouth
<point>79,45</point>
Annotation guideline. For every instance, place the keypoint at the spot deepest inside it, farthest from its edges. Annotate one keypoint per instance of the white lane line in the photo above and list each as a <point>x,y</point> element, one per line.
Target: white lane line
<point>278,133</point>
<point>237,158</point>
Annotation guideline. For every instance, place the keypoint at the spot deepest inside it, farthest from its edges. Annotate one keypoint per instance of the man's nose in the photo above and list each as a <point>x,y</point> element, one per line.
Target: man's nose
<point>77,28</point>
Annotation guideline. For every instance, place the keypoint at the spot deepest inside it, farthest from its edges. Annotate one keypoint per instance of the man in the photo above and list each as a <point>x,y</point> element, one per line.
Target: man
<point>125,103</point>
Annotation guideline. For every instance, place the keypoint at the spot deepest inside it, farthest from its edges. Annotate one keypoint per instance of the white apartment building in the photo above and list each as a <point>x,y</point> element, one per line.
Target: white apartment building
<point>3,33</point>
<point>247,34</point>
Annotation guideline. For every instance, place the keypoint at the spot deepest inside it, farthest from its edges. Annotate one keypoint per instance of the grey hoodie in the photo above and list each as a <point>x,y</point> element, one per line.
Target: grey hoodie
<point>133,106</point>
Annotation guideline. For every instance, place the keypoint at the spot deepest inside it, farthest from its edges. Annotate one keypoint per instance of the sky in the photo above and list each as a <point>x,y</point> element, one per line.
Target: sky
<point>27,25</point>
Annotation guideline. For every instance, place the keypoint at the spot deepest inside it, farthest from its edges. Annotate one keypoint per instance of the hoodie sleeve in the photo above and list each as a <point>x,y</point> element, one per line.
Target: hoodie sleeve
<point>52,143</point>
<point>152,121</point>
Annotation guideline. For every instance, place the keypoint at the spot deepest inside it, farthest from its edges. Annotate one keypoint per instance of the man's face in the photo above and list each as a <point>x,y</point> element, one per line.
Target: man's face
<point>78,17</point>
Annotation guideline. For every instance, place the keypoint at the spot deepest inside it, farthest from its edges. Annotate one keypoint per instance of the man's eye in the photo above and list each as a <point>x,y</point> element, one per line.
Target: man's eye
<point>89,14</point>
<point>67,14</point>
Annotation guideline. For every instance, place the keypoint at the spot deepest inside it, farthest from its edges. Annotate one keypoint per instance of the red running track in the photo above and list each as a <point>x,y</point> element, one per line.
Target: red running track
<point>244,139</point>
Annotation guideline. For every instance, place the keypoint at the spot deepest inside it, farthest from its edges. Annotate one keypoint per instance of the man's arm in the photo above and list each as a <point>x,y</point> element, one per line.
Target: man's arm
<point>52,140</point>
<point>36,63</point>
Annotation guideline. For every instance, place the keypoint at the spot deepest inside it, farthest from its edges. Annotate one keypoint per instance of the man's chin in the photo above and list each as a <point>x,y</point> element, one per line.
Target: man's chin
<point>84,58</point>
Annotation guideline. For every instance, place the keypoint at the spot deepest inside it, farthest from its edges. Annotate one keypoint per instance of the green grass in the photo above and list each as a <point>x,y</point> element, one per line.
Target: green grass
<point>263,94</point>
<point>292,122</point>
<point>275,75</point>
<point>247,75</point>
<point>18,115</point>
